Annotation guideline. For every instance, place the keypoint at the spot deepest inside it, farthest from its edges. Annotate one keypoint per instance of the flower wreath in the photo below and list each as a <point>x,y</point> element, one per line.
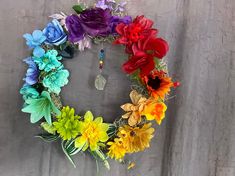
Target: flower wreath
<point>106,21</point>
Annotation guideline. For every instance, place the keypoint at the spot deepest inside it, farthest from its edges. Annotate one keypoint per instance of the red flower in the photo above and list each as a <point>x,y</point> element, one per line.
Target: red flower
<point>140,28</point>
<point>143,55</point>
<point>144,63</point>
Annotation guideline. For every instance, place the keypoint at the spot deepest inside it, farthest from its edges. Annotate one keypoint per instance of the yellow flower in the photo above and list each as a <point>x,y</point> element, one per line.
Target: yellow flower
<point>155,110</point>
<point>116,149</point>
<point>136,139</point>
<point>134,109</point>
<point>93,132</point>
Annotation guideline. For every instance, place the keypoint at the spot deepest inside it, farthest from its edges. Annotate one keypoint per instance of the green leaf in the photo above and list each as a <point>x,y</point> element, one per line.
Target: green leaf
<point>99,154</point>
<point>112,130</point>
<point>63,145</point>
<point>48,137</point>
<point>67,52</point>
<point>78,8</point>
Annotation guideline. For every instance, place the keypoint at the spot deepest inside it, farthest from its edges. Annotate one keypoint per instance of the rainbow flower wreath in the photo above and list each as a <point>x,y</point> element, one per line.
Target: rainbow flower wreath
<point>46,75</point>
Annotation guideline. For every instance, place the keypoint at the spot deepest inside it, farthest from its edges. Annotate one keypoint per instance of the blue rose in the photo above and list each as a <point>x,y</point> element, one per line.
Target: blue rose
<point>54,33</point>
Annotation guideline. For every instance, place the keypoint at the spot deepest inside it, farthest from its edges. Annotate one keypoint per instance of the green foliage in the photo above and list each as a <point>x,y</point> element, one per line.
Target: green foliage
<point>69,150</point>
<point>78,8</point>
<point>48,128</point>
<point>48,137</point>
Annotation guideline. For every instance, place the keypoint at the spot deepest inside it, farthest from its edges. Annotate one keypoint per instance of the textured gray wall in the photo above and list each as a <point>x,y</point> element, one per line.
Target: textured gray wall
<point>198,136</point>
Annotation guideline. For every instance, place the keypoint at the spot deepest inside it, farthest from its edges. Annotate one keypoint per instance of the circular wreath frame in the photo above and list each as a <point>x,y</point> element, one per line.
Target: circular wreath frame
<point>106,21</point>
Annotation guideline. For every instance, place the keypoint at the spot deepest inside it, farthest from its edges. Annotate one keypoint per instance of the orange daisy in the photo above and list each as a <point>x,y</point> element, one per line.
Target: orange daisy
<point>158,84</point>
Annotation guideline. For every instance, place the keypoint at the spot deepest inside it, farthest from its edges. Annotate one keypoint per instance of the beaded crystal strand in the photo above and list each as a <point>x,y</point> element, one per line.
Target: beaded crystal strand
<point>100,81</point>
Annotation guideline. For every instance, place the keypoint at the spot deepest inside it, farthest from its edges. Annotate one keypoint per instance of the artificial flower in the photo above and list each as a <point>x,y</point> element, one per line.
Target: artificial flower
<point>48,61</point>
<point>55,80</point>
<point>41,107</point>
<point>29,92</point>
<point>158,84</point>
<point>96,21</point>
<point>60,17</point>
<point>102,4</point>
<point>34,41</point>
<point>54,33</point>
<point>143,54</point>
<point>136,139</point>
<point>115,20</point>
<point>84,43</point>
<point>67,124</point>
<point>93,132</point>
<point>154,110</point>
<point>135,108</point>
<point>145,63</point>
<point>140,28</point>
<point>75,29</point>
<point>116,149</point>
<point>32,72</point>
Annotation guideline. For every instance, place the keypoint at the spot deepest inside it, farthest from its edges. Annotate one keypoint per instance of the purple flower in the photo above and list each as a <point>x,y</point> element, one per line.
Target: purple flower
<point>115,20</point>
<point>102,4</point>
<point>96,21</point>
<point>32,73</point>
<point>75,29</point>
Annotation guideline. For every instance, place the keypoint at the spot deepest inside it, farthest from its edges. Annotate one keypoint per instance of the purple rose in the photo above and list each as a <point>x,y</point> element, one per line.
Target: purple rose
<point>75,29</point>
<point>115,20</point>
<point>96,21</point>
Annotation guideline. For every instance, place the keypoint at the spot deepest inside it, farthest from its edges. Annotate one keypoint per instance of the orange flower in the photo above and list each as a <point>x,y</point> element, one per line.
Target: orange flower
<point>154,110</point>
<point>158,84</point>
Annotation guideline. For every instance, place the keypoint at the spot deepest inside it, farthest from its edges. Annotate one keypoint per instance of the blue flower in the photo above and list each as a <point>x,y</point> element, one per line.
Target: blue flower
<point>55,80</point>
<point>32,73</point>
<point>34,41</point>
<point>28,92</point>
<point>54,33</point>
<point>48,61</point>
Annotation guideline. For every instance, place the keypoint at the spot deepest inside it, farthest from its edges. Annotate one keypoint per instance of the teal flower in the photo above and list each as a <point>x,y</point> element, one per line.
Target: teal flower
<point>41,107</point>
<point>55,80</point>
<point>28,92</point>
<point>48,61</point>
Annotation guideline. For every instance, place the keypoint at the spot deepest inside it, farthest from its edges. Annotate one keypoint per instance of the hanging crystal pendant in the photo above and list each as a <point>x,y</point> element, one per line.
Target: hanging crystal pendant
<point>100,82</point>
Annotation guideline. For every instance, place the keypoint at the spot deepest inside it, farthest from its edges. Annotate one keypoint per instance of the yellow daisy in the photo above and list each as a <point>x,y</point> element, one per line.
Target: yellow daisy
<point>116,149</point>
<point>93,132</point>
<point>136,139</point>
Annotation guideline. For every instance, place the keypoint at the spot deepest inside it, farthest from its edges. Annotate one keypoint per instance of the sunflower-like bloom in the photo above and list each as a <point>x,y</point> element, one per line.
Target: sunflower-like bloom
<point>154,110</point>
<point>134,109</point>
<point>158,84</point>
<point>136,139</point>
<point>116,149</point>
<point>93,132</point>
<point>67,124</point>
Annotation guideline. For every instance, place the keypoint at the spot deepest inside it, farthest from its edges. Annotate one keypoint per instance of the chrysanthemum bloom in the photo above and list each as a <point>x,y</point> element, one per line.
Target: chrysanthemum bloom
<point>136,139</point>
<point>67,124</point>
<point>158,84</point>
<point>93,132</point>
<point>154,110</point>
<point>116,149</point>
<point>135,108</point>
